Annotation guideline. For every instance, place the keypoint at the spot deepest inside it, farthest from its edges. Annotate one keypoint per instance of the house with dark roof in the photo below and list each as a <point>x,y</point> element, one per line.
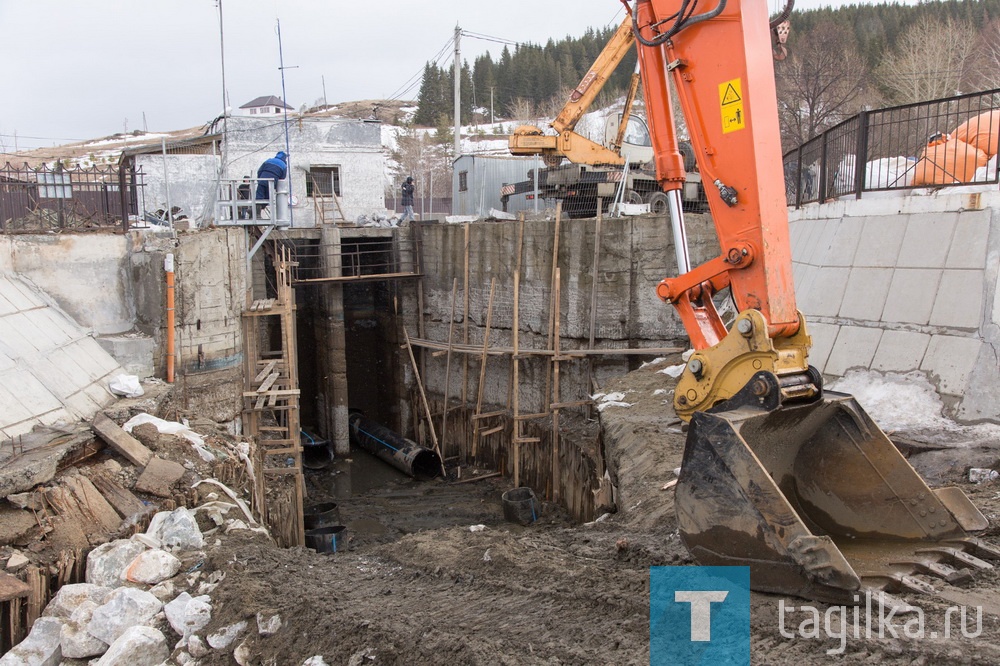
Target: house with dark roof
<point>268,105</point>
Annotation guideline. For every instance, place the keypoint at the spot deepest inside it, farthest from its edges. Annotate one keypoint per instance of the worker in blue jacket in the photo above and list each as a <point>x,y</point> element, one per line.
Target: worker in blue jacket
<point>268,175</point>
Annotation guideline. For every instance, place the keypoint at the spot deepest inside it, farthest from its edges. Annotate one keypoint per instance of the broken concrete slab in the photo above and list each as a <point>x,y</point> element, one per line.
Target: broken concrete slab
<point>159,477</point>
<point>17,526</point>
<point>122,442</point>
<point>38,457</point>
<point>16,561</point>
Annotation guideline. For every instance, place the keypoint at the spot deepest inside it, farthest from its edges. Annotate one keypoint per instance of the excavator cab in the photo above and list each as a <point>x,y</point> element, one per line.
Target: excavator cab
<point>779,474</point>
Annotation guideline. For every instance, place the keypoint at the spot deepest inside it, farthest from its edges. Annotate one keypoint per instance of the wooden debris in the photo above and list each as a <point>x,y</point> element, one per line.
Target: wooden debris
<point>669,484</point>
<point>128,446</point>
<point>159,477</point>
<point>120,498</point>
<point>478,478</point>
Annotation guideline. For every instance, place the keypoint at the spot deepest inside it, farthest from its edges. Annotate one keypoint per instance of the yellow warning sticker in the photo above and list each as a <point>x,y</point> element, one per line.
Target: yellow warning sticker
<point>731,105</point>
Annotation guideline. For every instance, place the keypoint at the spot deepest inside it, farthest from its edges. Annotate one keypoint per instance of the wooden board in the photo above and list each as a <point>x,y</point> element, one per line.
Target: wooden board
<point>128,446</point>
<point>122,499</point>
<point>92,504</point>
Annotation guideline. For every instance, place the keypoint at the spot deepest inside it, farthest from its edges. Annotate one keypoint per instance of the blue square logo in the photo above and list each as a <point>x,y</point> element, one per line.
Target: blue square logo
<point>699,615</point>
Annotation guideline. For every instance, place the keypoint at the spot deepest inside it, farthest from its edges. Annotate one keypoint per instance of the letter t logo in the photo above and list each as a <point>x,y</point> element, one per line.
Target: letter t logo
<point>701,610</point>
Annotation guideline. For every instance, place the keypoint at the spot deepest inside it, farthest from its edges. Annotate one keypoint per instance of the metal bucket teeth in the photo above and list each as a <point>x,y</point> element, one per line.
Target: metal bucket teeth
<point>957,556</point>
<point>904,583</point>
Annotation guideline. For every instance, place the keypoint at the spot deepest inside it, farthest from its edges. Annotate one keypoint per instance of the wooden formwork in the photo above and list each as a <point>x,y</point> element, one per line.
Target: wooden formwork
<point>271,404</point>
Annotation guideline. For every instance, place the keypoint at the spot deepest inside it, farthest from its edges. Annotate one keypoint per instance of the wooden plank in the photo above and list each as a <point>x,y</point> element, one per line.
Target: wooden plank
<point>482,368</point>
<point>12,587</point>
<point>447,368</point>
<point>265,372</point>
<point>529,440</point>
<point>120,498</point>
<point>92,503</point>
<point>489,415</point>
<point>529,417</point>
<point>491,475</point>
<point>267,383</point>
<point>122,442</point>
<point>491,431</point>
<point>575,403</point>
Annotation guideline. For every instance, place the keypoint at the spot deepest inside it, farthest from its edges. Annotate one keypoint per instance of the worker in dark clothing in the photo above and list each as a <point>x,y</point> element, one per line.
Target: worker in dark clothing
<point>268,175</point>
<point>407,200</point>
<point>243,211</point>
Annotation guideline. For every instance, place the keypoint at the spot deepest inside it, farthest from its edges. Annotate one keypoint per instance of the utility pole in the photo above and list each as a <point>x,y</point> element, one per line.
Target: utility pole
<point>325,103</point>
<point>491,105</point>
<point>458,92</point>
<point>225,110</point>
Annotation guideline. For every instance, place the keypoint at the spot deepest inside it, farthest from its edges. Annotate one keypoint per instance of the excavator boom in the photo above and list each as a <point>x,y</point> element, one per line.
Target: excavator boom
<point>778,474</point>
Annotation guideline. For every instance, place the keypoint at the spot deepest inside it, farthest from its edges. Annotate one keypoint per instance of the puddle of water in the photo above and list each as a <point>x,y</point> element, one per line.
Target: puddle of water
<point>359,474</point>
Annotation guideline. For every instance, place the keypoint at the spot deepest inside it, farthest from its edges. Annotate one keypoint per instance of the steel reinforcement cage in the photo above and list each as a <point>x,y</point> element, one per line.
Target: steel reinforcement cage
<point>893,141</point>
<point>46,199</point>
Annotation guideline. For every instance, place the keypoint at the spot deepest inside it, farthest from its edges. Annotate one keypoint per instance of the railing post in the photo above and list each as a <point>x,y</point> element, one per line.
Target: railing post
<point>821,185</point>
<point>122,194</point>
<point>861,154</point>
<point>798,177</point>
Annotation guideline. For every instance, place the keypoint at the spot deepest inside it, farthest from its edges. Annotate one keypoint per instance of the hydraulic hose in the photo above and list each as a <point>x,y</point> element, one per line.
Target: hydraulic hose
<point>680,23</point>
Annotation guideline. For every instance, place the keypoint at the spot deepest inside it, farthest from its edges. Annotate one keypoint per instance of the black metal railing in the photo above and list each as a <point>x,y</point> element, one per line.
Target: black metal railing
<point>373,257</point>
<point>58,199</point>
<point>901,147</point>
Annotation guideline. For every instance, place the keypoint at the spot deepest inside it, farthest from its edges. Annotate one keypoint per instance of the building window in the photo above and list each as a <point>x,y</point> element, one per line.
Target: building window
<point>463,181</point>
<point>277,110</point>
<point>253,112</point>
<point>323,181</point>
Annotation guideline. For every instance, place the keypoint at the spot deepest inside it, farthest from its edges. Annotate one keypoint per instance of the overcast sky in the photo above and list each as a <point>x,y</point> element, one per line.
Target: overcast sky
<point>78,70</point>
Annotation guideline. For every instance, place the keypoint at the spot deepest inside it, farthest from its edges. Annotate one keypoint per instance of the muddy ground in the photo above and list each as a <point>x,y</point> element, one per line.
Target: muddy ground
<point>416,586</point>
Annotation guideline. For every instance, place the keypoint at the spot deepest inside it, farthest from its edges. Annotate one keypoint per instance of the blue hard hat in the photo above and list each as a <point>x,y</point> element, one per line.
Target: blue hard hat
<point>282,155</point>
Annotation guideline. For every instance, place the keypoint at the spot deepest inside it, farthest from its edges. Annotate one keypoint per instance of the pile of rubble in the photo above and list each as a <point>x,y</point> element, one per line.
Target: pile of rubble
<point>140,591</point>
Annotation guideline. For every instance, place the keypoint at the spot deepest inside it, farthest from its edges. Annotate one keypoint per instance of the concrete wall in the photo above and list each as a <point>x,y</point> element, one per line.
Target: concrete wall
<point>635,254</point>
<point>190,183</point>
<point>353,145</point>
<point>906,283</point>
<point>112,288</point>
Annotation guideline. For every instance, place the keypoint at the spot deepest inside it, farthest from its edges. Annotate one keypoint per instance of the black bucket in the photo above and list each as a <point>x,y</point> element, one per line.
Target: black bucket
<point>316,453</point>
<point>326,539</point>
<point>520,506</point>
<point>321,515</point>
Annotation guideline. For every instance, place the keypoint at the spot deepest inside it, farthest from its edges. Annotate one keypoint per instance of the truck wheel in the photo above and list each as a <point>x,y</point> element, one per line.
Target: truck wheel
<point>633,197</point>
<point>659,204</point>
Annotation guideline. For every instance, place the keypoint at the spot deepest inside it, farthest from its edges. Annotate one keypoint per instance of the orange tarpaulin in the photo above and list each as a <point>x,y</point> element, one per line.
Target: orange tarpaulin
<point>983,132</point>
<point>951,161</point>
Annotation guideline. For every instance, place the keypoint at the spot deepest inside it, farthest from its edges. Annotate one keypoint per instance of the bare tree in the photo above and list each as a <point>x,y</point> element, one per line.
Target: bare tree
<point>522,110</point>
<point>989,55</point>
<point>822,82</point>
<point>933,59</point>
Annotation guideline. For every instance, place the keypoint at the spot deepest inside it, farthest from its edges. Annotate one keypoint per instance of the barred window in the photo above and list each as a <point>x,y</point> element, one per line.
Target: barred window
<point>323,181</point>
<point>463,181</point>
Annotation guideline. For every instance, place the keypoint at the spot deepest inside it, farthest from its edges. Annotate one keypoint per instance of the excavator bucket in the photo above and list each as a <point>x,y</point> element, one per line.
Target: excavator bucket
<point>818,502</point>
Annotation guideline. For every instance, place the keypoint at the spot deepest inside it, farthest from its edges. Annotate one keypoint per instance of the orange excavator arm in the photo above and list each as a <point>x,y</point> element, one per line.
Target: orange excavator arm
<point>796,482</point>
<point>724,77</point>
<point>530,140</point>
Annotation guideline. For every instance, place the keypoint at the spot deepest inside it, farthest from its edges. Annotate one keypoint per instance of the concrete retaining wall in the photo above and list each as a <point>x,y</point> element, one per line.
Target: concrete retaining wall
<point>906,283</point>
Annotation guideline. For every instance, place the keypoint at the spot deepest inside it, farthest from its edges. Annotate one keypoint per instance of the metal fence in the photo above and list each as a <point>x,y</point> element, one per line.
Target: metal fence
<point>56,199</point>
<point>901,147</point>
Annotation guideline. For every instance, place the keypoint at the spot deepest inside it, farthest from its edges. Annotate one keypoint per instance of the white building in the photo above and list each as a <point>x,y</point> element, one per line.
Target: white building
<point>268,106</point>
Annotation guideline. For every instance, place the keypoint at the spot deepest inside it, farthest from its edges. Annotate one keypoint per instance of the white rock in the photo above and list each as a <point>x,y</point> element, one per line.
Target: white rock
<point>70,597</point>
<point>146,540</point>
<point>76,641</point>
<point>243,654</point>
<point>183,658</point>
<point>151,567</point>
<point>236,524</point>
<point>223,638</point>
<point>40,647</point>
<point>16,561</point>
<point>197,647</point>
<point>106,562</point>
<point>126,607</point>
<point>176,530</point>
<point>315,661</point>
<point>188,615</point>
<point>268,623</point>
<point>164,591</point>
<point>138,646</point>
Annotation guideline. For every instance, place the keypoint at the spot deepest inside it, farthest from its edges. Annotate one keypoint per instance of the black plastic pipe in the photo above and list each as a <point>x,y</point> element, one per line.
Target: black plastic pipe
<point>405,455</point>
